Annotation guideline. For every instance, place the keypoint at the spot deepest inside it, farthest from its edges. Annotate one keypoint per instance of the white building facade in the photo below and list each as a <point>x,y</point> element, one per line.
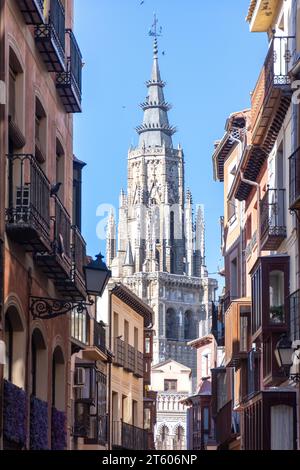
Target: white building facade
<point>172,381</point>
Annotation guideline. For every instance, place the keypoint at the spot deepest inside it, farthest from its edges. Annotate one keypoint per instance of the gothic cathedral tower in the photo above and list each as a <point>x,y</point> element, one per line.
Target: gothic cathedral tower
<point>158,250</point>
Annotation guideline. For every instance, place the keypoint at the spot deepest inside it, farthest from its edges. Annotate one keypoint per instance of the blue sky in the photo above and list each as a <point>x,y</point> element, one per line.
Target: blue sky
<point>211,64</point>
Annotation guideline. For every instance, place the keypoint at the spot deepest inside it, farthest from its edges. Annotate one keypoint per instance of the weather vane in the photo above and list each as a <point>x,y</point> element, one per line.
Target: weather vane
<point>155,31</point>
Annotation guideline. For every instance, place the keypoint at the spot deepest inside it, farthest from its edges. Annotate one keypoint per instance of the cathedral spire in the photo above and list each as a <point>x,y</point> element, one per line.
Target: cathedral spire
<point>155,130</point>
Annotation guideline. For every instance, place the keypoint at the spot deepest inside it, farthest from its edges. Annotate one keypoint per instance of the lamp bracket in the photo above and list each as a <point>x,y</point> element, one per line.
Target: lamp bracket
<point>46,309</point>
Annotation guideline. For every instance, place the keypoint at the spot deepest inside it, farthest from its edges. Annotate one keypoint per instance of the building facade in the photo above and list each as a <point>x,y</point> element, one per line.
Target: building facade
<point>200,423</point>
<point>131,407</point>
<point>42,250</point>
<point>258,162</point>
<point>172,381</point>
<point>158,248</point>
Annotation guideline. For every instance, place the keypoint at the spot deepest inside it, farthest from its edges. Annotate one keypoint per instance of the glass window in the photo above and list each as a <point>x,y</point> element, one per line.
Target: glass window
<point>147,418</point>
<point>147,345</point>
<point>276,286</point>
<point>206,419</point>
<point>170,385</point>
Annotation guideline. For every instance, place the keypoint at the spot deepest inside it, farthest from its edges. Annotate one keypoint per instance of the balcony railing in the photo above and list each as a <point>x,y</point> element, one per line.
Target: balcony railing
<point>99,336</point>
<point>272,219</point>
<point>264,412</point>
<point>32,10</point>
<point>62,237</point>
<point>272,88</point>
<point>79,259</point>
<point>295,315</point>
<point>28,215</point>
<point>129,437</point>
<point>129,357</point>
<point>295,180</point>
<point>50,38</point>
<point>69,82</point>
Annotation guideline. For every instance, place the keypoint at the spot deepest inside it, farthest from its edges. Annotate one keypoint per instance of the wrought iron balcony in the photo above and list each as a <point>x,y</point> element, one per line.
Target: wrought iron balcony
<point>295,316</point>
<point>129,437</point>
<point>32,11</point>
<point>295,180</point>
<point>272,95</point>
<point>56,264</point>
<point>64,263</point>
<point>28,214</point>
<point>78,261</point>
<point>272,219</point>
<point>50,38</point>
<point>69,82</point>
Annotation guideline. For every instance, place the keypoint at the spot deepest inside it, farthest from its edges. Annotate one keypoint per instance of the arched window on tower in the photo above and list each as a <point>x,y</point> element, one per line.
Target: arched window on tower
<point>179,439</point>
<point>172,325</point>
<point>172,239</point>
<point>163,438</point>
<point>190,326</point>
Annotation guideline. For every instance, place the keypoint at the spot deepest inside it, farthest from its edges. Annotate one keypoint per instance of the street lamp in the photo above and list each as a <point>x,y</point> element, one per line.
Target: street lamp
<point>285,355</point>
<point>97,276</point>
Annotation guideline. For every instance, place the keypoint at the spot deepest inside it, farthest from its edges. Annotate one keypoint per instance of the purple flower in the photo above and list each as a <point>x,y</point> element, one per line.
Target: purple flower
<point>14,414</point>
<point>58,430</point>
<point>38,424</point>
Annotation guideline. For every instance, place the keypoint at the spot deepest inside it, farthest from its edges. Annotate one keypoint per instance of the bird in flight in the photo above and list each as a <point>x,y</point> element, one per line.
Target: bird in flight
<point>142,2</point>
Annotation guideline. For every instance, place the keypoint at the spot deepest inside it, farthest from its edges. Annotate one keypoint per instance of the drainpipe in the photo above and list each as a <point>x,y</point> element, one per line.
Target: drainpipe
<point>109,359</point>
<point>2,200</point>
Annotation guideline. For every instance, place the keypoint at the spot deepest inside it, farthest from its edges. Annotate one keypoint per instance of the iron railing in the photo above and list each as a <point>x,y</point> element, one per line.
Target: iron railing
<point>32,10</point>
<point>29,195</point>
<point>79,252</point>
<point>75,62</point>
<point>69,81</point>
<point>54,29</point>
<point>295,315</point>
<point>275,72</point>
<point>62,237</point>
<point>272,214</point>
<point>133,438</point>
<point>294,181</point>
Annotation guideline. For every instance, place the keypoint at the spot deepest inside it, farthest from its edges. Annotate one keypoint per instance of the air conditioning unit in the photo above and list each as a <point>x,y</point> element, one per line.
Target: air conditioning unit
<point>79,378</point>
